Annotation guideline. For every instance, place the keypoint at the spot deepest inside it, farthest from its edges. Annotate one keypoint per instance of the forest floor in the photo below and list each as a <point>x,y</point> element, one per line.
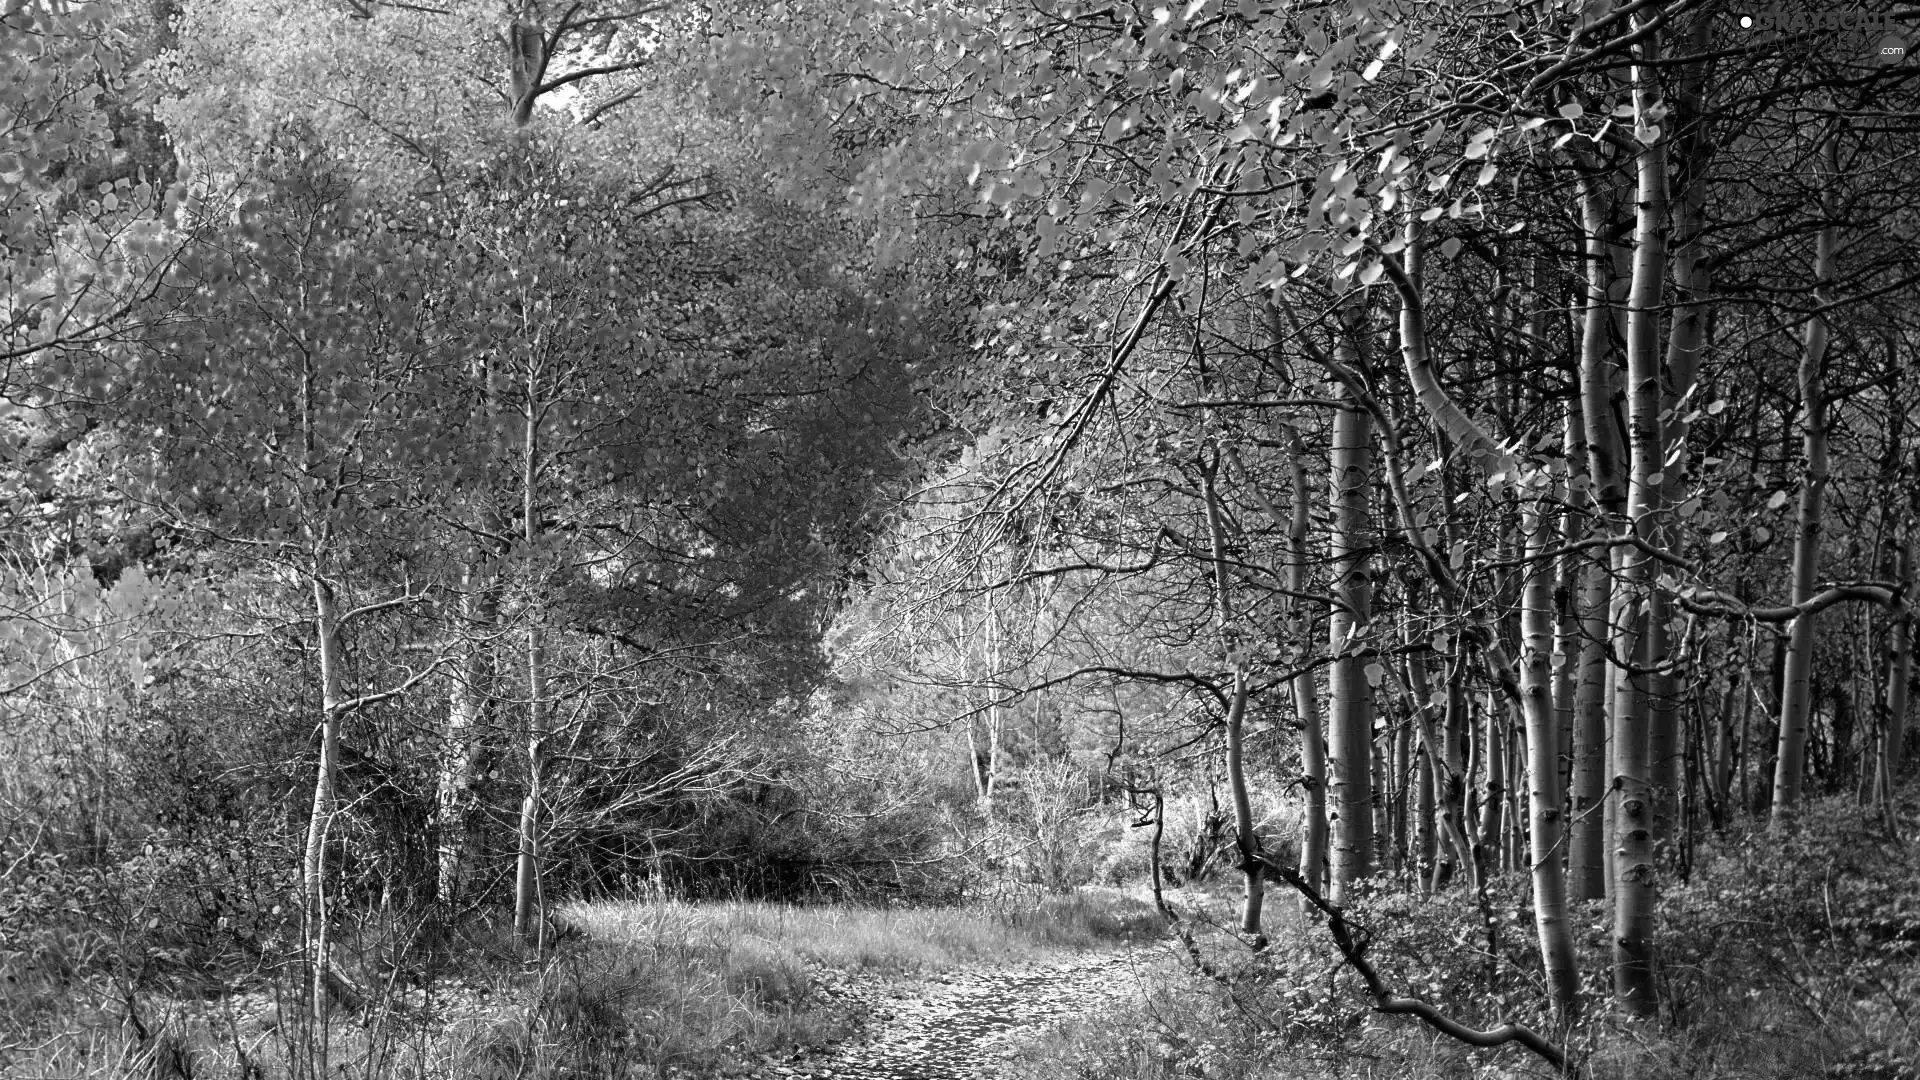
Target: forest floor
<point>847,993</point>
<point>966,1022</point>
<point>657,987</point>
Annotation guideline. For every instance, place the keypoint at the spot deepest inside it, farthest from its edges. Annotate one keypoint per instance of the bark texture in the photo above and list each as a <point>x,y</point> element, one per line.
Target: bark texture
<point>1350,730</point>
<point>1634,876</point>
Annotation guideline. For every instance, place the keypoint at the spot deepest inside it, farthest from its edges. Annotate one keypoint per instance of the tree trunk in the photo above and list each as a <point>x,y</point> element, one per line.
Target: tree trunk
<point>1723,746</point>
<point>1425,835</point>
<point>1795,689</point>
<point>1566,584</point>
<point>469,747</point>
<point>528,922</point>
<point>1350,733</point>
<point>1401,788</point>
<point>526,65</point>
<point>1686,339</point>
<point>1517,781</point>
<point>1442,752</point>
<point>1634,883</point>
<point>1543,765</point>
<point>1586,856</point>
<point>1153,852</point>
<point>464,753</point>
<point>1234,648</point>
<point>1306,689</point>
<point>1899,676</point>
<point>314,864</point>
<point>1493,756</point>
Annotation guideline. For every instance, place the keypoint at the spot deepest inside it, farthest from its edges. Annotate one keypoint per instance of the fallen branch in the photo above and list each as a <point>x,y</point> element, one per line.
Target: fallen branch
<point>1354,951</point>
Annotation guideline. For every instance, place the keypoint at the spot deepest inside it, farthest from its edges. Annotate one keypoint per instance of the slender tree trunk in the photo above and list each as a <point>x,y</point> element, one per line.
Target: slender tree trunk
<point>314,865</point>
<point>1566,663</point>
<point>1744,745</point>
<point>1350,734</point>
<point>1543,765</point>
<point>1796,689</point>
<point>1586,852</point>
<point>1493,755</point>
<point>1686,340</point>
<point>1402,788</point>
<point>984,730</point>
<point>1306,689</point>
<point>1425,849</point>
<point>1449,778</point>
<point>464,753</point>
<point>1664,745</point>
<point>469,746</point>
<point>332,698</point>
<point>1474,754</point>
<point>1566,584</point>
<point>1586,857</point>
<point>1234,647</point>
<point>996,720</point>
<point>1517,788</point>
<point>1899,676</point>
<point>1458,725</point>
<point>1723,748</point>
<point>1382,803</point>
<point>1634,874</point>
<point>1153,852</point>
<point>528,921</point>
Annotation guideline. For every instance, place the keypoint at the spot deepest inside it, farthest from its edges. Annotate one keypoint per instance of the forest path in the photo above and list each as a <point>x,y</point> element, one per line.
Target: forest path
<point>964,1023</point>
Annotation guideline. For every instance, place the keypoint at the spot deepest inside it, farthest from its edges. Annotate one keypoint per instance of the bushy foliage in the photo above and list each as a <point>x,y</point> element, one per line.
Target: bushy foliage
<point>1048,827</point>
<point>1807,937</point>
<point>808,837</point>
<point>1789,954</point>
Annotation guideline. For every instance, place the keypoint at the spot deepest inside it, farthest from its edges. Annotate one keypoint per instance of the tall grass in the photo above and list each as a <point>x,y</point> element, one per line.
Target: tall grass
<point>874,938</point>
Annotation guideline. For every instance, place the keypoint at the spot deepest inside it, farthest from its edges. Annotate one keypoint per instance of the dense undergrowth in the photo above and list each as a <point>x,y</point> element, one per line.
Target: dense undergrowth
<point>1784,957</point>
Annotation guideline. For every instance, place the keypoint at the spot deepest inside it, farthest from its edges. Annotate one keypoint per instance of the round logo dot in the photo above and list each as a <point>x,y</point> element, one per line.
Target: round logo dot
<point>1746,22</point>
<point>1892,49</point>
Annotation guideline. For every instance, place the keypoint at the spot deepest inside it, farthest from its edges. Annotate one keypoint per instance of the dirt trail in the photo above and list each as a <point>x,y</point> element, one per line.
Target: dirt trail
<point>964,1023</point>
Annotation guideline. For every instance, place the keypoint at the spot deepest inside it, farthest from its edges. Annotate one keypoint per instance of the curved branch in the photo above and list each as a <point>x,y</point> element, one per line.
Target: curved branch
<point>1713,602</point>
<point>1473,441</point>
<point>1354,950</point>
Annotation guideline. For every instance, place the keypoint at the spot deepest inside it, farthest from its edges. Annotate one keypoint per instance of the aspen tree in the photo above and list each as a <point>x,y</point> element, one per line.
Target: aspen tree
<point>1899,674</point>
<point>1634,884</point>
<point>1235,649</point>
<point>1543,751</point>
<point>1350,794</point>
<point>1796,690</point>
<point>1306,686</point>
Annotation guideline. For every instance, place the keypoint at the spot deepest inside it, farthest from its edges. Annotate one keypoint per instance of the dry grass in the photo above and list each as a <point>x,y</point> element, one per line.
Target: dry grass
<point>650,989</point>
<point>893,939</point>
